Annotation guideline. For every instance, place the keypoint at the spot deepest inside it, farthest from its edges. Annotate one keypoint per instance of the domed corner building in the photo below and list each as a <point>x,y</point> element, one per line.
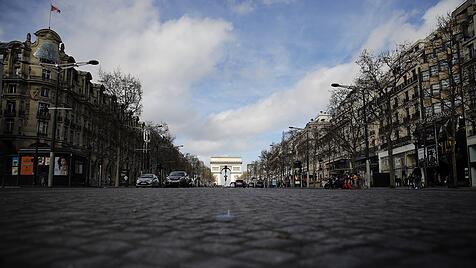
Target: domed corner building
<point>83,141</point>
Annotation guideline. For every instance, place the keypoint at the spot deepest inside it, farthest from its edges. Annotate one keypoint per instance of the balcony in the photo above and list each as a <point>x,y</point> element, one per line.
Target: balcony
<point>9,113</point>
<point>43,115</point>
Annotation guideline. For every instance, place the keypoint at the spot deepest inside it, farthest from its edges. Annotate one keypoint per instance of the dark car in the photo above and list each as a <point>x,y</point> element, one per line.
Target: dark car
<point>240,183</point>
<point>177,179</point>
<point>251,184</point>
<point>147,180</point>
<point>259,184</point>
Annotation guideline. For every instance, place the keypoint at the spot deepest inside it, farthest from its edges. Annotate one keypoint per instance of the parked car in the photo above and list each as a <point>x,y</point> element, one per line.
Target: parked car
<point>147,180</point>
<point>259,184</point>
<point>177,179</point>
<point>240,183</point>
<point>251,184</point>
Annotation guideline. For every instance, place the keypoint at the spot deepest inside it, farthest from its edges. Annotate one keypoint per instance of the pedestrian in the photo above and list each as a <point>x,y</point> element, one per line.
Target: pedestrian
<point>398,181</point>
<point>355,181</point>
<point>43,180</point>
<point>126,180</point>
<point>416,174</point>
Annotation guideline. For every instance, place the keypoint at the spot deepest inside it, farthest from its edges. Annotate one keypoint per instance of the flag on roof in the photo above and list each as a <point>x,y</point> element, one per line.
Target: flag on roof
<point>55,9</point>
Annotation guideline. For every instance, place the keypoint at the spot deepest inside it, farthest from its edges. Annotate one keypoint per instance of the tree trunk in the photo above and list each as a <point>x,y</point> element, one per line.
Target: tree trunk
<point>118,162</point>
<point>389,142</point>
<point>454,171</point>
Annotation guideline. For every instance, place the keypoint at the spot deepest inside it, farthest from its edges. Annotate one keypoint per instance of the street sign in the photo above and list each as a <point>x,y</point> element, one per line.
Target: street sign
<point>146,135</point>
<point>432,155</point>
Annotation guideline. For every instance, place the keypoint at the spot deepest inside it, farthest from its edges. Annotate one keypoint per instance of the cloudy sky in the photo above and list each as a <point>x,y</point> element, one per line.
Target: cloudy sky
<point>228,76</point>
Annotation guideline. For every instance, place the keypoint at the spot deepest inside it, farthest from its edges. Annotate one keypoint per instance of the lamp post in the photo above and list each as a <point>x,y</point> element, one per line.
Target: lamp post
<point>41,112</point>
<point>366,130</point>
<point>307,153</point>
<point>59,68</point>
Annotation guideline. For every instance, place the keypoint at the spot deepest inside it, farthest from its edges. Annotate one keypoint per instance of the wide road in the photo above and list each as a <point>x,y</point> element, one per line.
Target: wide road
<point>129,227</point>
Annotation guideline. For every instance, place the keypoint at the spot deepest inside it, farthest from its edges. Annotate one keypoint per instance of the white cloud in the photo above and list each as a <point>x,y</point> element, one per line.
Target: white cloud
<point>272,2</point>
<point>168,57</point>
<point>236,129</point>
<point>397,29</point>
<point>242,8</point>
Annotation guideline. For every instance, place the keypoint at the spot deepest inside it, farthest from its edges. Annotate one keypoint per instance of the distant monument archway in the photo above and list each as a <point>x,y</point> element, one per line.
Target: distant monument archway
<point>233,164</point>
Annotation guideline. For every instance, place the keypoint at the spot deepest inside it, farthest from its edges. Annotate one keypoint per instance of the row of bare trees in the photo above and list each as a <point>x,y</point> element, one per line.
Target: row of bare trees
<point>159,155</point>
<point>433,67</point>
<point>378,82</point>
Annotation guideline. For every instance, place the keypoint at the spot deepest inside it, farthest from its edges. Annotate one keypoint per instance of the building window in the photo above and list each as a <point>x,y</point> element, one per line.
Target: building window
<point>443,65</point>
<point>435,89</point>
<point>42,108</point>
<point>434,70</point>
<point>430,56</point>
<point>11,107</point>
<point>43,128</point>
<point>46,75</point>
<point>44,92</point>
<point>9,123</point>
<point>455,59</point>
<point>71,136</point>
<point>437,108</point>
<point>12,89</point>
<point>446,105</point>
<point>445,84</point>
<point>425,75</point>
<point>456,79</point>
<point>65,133</point>
<point>17,71</point>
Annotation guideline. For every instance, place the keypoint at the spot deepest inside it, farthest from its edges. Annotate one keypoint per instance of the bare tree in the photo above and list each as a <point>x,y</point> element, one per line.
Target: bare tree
<point>344,106</point>
<point>125,87</point>
<point>381,74</point>
<point>446,44</point>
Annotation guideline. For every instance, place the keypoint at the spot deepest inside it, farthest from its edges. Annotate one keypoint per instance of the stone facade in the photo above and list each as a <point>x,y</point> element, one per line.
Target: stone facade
<point>88,131</point>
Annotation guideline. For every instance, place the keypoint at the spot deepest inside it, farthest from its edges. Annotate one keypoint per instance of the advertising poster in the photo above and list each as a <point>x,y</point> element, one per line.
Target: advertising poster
<point>26,167</point>
<point>41,161</point>
<point>61,166</point>
<point>14,170</point>
<point>432,155</point>
<point>421,157</point>
<point>15,161</point>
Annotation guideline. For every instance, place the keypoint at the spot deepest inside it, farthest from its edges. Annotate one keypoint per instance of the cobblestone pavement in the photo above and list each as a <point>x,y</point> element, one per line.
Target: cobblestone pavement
<point>130,227</point>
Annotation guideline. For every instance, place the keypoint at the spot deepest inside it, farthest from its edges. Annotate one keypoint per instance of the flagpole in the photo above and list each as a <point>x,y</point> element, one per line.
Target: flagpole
<point>49,21</point>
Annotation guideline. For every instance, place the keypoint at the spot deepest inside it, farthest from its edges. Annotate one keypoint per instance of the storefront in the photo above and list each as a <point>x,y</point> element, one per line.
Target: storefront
<point>435,155</point>
<point>70,168</point>
<point>404,158</point>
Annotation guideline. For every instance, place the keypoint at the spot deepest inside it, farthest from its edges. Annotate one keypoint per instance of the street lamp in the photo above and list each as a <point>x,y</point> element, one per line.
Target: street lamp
<point>59,68</point>
<point>366,130</point>
<point>307,154</point>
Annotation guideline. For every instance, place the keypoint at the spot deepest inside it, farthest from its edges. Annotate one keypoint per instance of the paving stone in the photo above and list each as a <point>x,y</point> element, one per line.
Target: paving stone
<point>272,257</point>
<point>130,227</point>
